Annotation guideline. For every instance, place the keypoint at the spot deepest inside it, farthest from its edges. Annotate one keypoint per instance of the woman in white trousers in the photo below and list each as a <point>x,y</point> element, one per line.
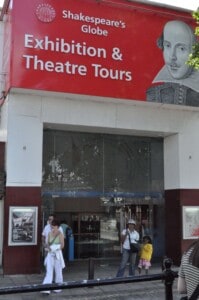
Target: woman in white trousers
<point>54,261</point>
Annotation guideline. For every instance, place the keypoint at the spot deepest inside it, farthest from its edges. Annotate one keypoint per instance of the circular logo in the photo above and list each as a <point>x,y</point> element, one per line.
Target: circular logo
<point>45,13</point>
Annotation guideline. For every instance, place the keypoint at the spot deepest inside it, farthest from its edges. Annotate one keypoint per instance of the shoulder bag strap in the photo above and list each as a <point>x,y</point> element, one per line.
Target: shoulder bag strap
<point>50,243</point>
<point>129,239</point>
<point>195,294</point>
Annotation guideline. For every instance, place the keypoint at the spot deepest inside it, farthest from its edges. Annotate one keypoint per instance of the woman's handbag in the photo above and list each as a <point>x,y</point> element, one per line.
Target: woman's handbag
<point>134,247</point>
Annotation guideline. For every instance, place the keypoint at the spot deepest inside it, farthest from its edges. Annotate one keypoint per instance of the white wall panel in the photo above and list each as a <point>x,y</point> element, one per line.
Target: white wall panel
<point>27,113</point>
<point>171,162</point>
<point>189,153</point>
<point>1,55</point>
<point>116,114</point>
<point>24,145</point>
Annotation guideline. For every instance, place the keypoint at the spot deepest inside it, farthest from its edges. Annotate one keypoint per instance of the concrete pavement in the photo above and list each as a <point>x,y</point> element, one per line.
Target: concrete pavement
<point>78,270</point>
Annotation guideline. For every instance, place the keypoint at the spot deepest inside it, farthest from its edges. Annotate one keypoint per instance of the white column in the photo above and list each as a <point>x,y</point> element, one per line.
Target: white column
<point>181,156</point>
<point>24,142</point>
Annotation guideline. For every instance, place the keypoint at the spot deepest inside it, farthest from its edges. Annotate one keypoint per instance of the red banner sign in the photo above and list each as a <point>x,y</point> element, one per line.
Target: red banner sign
<point>101,48</point>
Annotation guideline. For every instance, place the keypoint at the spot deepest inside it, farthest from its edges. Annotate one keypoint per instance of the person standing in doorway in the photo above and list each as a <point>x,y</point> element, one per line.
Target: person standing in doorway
<point>54,261</point>
<point>145,254</point>
<point>65,228</point>
<point>128,235</point>
<point>47,229</point>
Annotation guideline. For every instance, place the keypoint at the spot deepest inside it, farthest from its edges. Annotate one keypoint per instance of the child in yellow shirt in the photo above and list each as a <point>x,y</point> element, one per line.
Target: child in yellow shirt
<point>145,254</point>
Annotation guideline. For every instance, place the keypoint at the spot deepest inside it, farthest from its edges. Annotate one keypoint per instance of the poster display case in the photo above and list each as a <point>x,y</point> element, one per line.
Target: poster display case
<point>23,222</point>
<point>190,217</point>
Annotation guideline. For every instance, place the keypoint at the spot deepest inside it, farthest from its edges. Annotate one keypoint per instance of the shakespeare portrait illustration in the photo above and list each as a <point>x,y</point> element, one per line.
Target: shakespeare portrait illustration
<point>177,82</point>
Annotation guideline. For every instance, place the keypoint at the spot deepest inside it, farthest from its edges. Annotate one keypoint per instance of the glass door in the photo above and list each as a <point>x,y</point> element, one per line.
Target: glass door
<point>86,228</point>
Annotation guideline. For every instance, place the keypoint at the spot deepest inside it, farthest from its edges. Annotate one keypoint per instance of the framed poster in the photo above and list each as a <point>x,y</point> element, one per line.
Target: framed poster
<point>22,225</point>
<point>190,222</point>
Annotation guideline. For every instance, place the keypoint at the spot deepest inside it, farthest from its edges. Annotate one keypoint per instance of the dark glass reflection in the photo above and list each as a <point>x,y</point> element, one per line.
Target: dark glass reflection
<point>93,164</point>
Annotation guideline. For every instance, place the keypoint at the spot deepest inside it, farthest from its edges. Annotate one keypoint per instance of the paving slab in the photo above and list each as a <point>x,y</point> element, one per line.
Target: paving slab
<point>77,271</point>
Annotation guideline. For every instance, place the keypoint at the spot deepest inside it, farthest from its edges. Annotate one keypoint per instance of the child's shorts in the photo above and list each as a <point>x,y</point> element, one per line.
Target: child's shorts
<point>144,263</point>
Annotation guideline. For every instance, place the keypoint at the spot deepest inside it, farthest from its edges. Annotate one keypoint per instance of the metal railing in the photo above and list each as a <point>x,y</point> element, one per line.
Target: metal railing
<point>167,276</point>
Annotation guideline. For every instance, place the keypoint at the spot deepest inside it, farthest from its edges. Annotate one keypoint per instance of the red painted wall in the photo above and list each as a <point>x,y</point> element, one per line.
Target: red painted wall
<point>174,201</point>
<point>21,259</point>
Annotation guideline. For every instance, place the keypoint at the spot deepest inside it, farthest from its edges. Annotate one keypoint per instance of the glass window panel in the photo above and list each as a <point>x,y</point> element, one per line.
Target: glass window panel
<point>93,164</point>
